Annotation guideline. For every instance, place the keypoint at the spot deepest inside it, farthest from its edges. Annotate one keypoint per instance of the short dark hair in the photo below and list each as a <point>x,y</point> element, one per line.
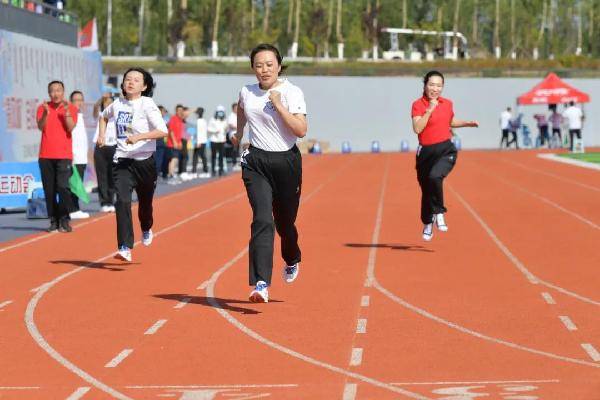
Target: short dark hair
<point>234,105</point>
<point>148,81</point>
<point>56,83</point>
<point>267,47</point>
<point>74,92</point>
<point>178,106</point>
<point>571,103</point>
<point>200,112</point>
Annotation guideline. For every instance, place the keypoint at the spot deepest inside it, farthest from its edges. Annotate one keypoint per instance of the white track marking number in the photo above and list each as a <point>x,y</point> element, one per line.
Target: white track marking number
<point>505,392</point>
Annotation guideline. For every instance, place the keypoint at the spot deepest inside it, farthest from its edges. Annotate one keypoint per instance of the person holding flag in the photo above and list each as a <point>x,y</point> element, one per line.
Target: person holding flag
<point>139,123</point>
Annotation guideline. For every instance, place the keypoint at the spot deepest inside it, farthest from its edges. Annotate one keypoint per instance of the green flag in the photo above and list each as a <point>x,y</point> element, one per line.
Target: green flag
<point>76,186</point>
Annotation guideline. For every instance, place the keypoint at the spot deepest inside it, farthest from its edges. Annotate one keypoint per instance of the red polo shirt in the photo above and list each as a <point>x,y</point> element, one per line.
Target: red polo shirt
<point>56,140</point>
<point>437,129</point>
<point>176,126</point>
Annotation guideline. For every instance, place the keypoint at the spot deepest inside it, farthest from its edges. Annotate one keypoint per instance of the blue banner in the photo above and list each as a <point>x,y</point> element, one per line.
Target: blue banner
<point>16,179</point>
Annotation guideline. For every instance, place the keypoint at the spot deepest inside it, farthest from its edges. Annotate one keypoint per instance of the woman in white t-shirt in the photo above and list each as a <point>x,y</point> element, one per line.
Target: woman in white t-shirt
<point>138,123</point>
<point>275,112</point>
<point>200,144</point>
<point>80,151</point>
<point>217,130</point>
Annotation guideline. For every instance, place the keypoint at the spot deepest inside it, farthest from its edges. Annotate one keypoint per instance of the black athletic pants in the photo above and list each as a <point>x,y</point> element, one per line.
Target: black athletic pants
<point>199,152</point>
<point>514,140</point>
<point>103,161</point>
<point>434,163</point>
<point>504,138</point>
<point>55,180</point>
<point>74,198</point>
<point>217,149</point>
<point>183,157</point>
<point>572,134</point>
<point>273,182</point>
<point>139,175</point>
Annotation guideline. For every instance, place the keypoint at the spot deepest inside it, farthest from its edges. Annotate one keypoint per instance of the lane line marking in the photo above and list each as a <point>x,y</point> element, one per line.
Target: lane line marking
<point>591,350</point>
<point>475,382</point>
<point>154,328</point>
<point>367,282</point>
<point>184,302</point>
<point>202,286</point>
<point>558,177</point>
<point>350,391</point>
<point>426,314</point>
<point>568,323</point>
<point>4,304</point>
<point>361,325</point>
<point>570,161</point>
<point>356,357</point>
<point>255,386</point>
<point>119,358</point>
<point>365,301</point>
<point>79,393</point>
<point>43,289</point>
<point>210,294</point>
<point>548,297</point>
<point>520,266</point>
<point>19,387</point>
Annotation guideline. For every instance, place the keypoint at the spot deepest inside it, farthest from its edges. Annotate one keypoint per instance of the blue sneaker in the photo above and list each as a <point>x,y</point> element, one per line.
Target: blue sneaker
<point>124,253</point>
<point>290,272</point>
<point>147,237</point>
<point>260,294</point>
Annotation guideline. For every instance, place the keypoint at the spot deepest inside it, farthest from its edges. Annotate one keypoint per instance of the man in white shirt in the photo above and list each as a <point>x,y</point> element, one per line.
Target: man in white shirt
<point>80,151</point>
<point>574,116</point>
<point>505,117</point>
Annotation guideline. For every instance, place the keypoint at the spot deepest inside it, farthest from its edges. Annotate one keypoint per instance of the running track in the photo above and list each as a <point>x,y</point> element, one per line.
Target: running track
<point>504,306</point>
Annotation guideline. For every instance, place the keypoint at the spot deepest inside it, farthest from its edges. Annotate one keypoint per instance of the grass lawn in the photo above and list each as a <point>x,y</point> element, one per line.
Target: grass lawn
<point>588,157</point>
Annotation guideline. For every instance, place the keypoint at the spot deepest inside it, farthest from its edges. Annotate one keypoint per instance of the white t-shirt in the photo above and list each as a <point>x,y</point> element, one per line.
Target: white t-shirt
<point>131,117</point>
<point>110,134</point>
<point>232,123</point>
<point>216,130</point>
<point>80,141</point>
<point>574,117</point>
<point>201,131</point>
<point>267,129</point>
<point>505,118</point>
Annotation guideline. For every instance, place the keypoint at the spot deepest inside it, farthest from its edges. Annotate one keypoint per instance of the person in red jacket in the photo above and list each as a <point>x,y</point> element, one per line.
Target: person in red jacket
<point>433,118</point>
<point>56,119</point>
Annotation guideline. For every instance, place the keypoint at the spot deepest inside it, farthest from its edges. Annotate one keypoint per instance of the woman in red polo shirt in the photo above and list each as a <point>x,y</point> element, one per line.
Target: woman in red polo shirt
<point>433,118</point>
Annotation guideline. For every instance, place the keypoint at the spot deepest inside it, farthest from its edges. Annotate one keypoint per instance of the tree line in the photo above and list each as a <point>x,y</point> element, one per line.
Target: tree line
<point>348,28</point>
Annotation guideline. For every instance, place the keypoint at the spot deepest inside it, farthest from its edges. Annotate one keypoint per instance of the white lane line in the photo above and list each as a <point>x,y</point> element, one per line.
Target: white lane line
<point>255,386</point>
<point>520,266</point>
<point>365,301</point>
<point>356,357</point>
<point>426,314</point>
<point>367,282</point>
<point>4,304</point>
<point>592,352</point>
<point>350,391</point>
<point>361,325</point>
<point>568,323</point>
<point>119,358</point>
<point>19,387</point>
<point>474,382</point>
<point>210,293</point>
<point>570,161</point>
<point>154,328</point>
<point>184,302</point>
<point>202,286</point>
<point>79,393</point>
<point>558,177</point>
<point>43,289</point>
<point>548,297</point>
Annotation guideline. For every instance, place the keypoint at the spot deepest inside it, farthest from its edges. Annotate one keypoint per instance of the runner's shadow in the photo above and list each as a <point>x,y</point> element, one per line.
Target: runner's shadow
<point>94,265</point>
<point>403,247</point>
<point>225,304</point>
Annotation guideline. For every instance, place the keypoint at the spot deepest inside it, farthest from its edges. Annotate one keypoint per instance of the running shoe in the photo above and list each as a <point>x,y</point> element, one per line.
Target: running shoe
<point>290,272</point>
<point>260,294</point>
<point>64,226</point>
<point>124,253</point>
<point>440,222</point>
<point>427,232</point>
<point>53,226</point>
<point>147,237</point>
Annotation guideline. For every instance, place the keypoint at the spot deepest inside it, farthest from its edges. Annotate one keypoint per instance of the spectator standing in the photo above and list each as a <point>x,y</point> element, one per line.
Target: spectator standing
<point>217,128</point>
<point>200,144</point>
<point>80,151</point>
<point>574,117</point>
<point>505,117</point>
<point>103,160</point>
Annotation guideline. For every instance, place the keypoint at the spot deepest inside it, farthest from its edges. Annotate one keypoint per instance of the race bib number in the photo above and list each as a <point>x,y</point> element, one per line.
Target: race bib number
<point>123,124</point>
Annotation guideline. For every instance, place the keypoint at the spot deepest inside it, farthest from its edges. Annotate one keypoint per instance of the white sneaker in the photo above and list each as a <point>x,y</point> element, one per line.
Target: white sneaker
<point>440,222</point>
<point>79,215</point>
<point>147,237</point>
<point>112,209</point>
<point>260,294</point>
<point>290,272</point>
<point>106,209</point>
<point>124,253</point>
<point>427,232</point>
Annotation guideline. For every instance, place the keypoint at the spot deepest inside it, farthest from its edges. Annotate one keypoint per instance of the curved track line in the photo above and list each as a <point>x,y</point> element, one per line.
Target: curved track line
<point>43,289</point>
<point>373,280</point>
<point>210,294</point>
<point>520,266</point>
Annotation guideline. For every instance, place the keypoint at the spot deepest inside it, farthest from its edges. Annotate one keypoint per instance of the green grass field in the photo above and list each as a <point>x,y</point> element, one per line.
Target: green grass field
<point>588,157</point>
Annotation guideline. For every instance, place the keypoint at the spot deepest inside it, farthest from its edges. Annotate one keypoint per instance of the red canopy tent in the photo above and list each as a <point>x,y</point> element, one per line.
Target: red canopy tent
<point>552,90</point>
